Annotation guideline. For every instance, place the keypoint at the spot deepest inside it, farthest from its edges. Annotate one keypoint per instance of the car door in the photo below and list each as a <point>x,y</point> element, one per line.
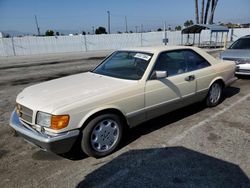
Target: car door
<point>202,70</point>
<point>167,94</point>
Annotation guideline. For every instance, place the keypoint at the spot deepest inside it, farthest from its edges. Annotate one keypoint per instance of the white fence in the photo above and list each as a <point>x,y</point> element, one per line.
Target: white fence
<point>43,45</point>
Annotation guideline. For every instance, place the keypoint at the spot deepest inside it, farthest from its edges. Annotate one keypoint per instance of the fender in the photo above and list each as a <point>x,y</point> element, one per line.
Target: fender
<point>215,79</point>
<point>96,110</point>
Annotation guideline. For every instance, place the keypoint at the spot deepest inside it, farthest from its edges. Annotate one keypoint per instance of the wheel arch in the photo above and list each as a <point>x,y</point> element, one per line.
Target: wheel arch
<point>105,110</point>
<point>218,79</point>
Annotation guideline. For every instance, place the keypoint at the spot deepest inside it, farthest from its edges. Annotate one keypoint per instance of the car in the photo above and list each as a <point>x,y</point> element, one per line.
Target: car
<point>239,52</point>
<point>128,88</point>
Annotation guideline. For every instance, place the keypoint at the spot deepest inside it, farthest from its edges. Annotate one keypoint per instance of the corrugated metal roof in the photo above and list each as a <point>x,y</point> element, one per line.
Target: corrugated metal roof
<point>197,28</point>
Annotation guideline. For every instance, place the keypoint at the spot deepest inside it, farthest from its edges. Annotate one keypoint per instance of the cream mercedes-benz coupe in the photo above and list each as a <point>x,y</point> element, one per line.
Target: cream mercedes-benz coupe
<point>129,87</point>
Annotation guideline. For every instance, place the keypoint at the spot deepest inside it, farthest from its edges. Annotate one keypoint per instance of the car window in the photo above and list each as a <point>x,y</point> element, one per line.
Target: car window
<point>243,43</point>
<point>194,61</point>
<point>125,65</point>
<point>173,62</point>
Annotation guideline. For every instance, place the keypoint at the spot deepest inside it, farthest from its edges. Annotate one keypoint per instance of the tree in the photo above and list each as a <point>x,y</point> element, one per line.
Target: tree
<point>211,18</point>
<point>202,12</point>
<point>83,33</point>
<point>100,30</point>
<point>57,33</point>
<point>159,29</point>
<point>188,23</point>
<point>49,33</point>
<point>196,12</point>
<point>178,28</point>
<point>206,11</point>
<point>204,15</point>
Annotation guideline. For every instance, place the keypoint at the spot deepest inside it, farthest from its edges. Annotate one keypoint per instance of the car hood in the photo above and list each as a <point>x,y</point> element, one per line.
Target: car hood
<point>51,95</point>
<point>235,54</point>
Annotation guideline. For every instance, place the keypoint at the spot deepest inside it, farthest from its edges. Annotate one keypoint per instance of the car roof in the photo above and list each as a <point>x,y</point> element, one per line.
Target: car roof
<point>157,49</point>
<point>246,36</point>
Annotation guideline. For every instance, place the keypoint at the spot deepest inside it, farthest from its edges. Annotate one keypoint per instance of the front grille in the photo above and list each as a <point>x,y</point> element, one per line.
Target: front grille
<point>24,113</point>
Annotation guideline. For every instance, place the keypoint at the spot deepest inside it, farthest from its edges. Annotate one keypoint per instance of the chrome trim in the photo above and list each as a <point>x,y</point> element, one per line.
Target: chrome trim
<point>58,143</point>
<point>25,113</point>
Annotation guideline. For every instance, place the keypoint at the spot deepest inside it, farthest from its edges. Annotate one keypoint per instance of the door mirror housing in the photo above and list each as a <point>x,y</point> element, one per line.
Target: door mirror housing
<point>161,74</point>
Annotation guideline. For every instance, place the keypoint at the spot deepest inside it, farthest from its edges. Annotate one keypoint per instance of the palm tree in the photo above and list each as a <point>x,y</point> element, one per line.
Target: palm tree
<point>196,12</point>
<point>202,12</point>
<point>206,11</point>
<point>211,18</point>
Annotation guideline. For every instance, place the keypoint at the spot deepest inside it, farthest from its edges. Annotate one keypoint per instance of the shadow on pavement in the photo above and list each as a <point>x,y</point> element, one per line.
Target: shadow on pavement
<point>244,77</point>
<point>229,92</point>
<point>167,167</point>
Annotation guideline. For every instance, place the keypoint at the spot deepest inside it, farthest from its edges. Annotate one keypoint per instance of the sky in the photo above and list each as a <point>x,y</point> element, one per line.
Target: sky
<point>81,15</point>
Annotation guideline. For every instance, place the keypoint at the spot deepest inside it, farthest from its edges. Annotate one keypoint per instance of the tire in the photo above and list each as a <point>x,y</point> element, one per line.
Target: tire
<point>214,94</point>
<point>102,135</point>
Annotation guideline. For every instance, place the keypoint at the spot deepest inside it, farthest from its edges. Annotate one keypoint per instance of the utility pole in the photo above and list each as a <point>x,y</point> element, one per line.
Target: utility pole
<point>141,28</point>
<point>93,28</point>
<point>126,24</point>
<point>108,21</point>
<point>165,40</point>
<point>136,27</point>
<point>141,33</point>
<point>38,29</point>
<point>165,33</point>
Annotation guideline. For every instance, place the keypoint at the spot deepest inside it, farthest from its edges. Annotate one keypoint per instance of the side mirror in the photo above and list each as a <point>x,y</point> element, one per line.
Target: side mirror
<point>161,74</point>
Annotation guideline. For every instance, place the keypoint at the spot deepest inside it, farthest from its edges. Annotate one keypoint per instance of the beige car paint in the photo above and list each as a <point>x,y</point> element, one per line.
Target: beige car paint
<point>85,94</point>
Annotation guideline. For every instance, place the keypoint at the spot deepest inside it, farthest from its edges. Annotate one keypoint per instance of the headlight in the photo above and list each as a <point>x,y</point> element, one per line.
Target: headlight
<point>43,119</point>
<point>55,122</point>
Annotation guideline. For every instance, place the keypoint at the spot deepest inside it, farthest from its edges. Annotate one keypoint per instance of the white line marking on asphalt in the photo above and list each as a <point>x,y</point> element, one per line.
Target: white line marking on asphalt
<point>207,120</point>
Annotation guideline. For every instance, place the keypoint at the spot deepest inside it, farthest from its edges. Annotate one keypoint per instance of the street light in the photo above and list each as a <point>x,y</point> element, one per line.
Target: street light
<point>108,21</point>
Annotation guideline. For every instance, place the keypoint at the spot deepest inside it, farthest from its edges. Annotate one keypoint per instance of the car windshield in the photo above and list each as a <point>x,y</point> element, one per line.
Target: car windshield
<point>243,43</point>
<point>125,65</point>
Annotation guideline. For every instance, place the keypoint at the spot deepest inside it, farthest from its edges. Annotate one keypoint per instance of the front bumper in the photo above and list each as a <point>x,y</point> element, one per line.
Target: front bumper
<point>58,143</point>
<point>243,69</point>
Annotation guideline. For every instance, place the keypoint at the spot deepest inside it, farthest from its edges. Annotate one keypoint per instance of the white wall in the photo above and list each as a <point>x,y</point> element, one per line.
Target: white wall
<point>44,45</point>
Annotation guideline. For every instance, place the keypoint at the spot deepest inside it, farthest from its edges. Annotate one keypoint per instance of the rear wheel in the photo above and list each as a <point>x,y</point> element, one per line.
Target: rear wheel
<point>214,94</point>
<point>102,135</point>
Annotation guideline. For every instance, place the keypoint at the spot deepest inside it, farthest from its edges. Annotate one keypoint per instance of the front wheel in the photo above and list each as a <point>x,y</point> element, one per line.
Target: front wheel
<point>102,135</point>
<point>214,94</point>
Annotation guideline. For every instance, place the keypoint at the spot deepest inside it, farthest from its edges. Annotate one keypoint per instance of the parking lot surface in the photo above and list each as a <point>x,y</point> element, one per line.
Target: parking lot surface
<point>191,147</point>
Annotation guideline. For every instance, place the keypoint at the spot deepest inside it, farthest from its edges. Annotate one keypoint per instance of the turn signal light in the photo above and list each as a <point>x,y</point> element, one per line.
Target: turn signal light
<point>59,121</point>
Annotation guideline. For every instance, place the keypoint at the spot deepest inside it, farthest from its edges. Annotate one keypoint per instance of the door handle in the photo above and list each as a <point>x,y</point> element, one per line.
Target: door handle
<point>190,78</point>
